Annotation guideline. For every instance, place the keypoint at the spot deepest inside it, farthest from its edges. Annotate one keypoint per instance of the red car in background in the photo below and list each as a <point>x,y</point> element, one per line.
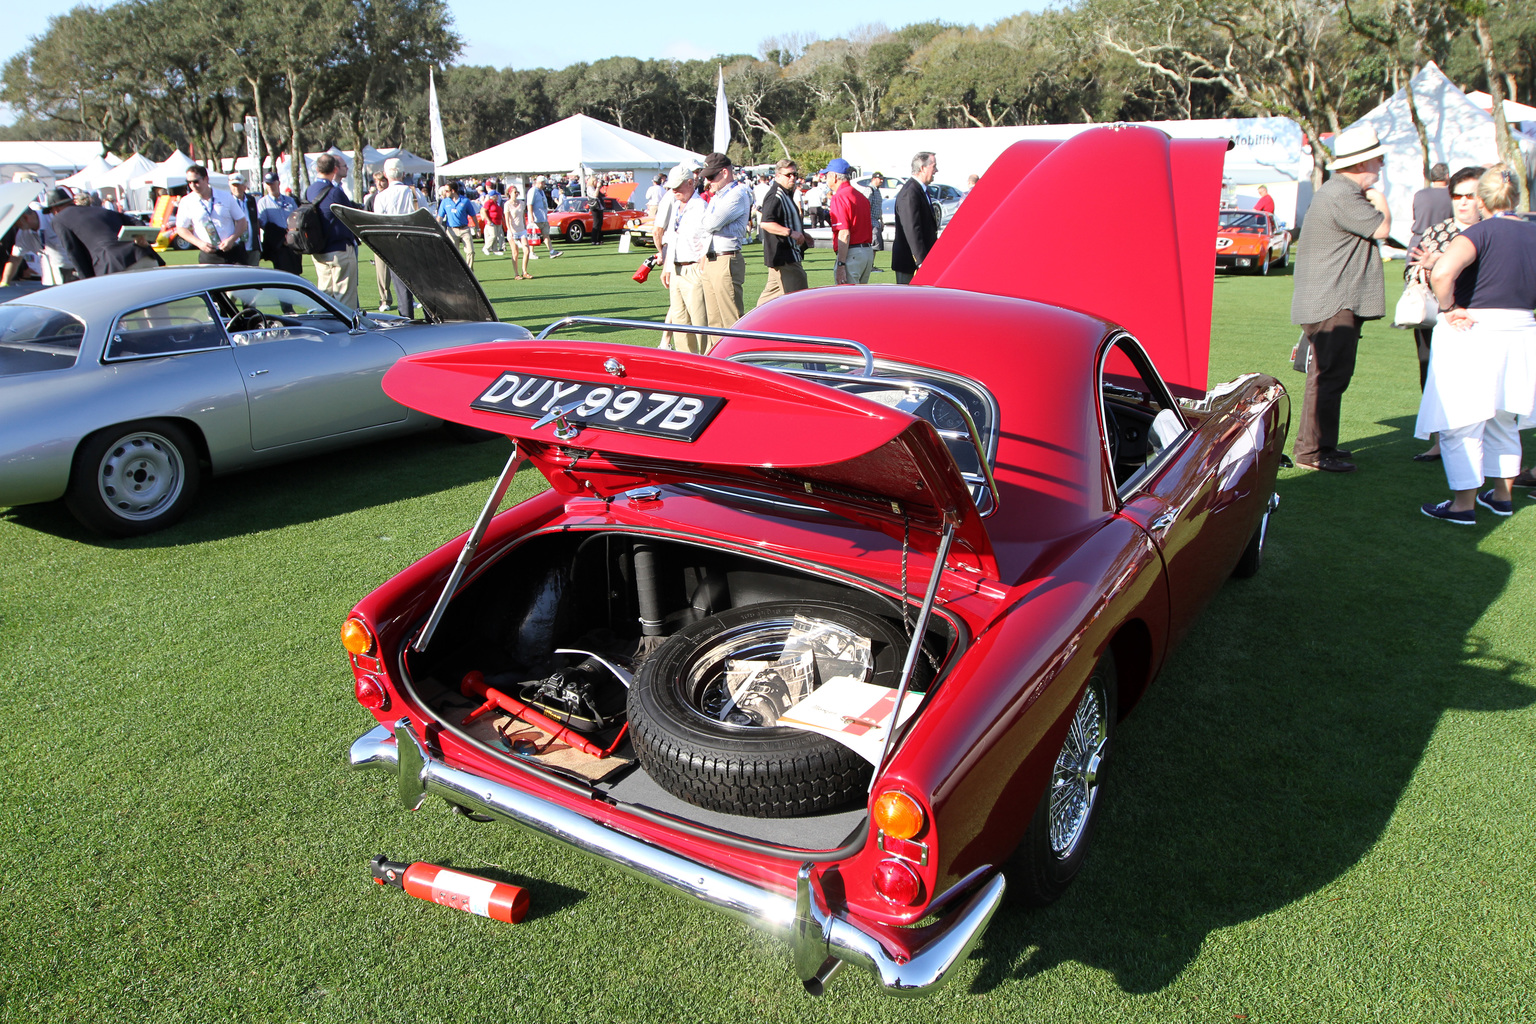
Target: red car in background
<point>833,628</point>
<point>573,218</point>
<point>1251,240</point>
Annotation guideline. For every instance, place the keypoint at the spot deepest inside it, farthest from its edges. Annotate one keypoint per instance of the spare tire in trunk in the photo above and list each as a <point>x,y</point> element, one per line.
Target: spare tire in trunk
<point>703,707</point>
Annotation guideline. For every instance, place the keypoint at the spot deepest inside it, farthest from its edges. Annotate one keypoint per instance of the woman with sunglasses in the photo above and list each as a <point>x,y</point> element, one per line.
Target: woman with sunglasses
<point>1482,365</point>
<point>1422,259</point>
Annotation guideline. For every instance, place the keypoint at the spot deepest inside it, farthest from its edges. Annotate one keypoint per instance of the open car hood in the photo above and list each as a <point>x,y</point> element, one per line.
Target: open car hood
<point>415,247</point>
<point>659,417</point>
<point>1161,291</point>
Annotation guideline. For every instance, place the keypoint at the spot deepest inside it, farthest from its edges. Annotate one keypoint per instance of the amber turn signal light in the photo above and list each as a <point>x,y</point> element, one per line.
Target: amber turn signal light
<point>898,815</point>
<point>355,637</point>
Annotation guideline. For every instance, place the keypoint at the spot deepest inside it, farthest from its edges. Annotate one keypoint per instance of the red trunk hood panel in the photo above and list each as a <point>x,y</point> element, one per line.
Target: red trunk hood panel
<point>1015,235</point>
<point>773,433</point>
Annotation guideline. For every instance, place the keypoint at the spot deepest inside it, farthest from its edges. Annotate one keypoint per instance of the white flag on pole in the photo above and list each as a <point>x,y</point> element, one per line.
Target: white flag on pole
<point>439,151</point>
<point>722,117</point>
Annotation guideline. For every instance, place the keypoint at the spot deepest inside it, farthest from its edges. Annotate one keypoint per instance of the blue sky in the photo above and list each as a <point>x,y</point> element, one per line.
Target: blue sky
<point>503,36</point>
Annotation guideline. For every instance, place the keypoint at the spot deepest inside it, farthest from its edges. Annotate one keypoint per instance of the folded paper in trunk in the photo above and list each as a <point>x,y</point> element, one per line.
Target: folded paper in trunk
<point>858,715</point>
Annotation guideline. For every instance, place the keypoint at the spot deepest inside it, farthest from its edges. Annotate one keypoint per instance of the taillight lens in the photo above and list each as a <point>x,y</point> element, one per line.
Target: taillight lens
<point>356,637</point>
<point>898,815</point>
<point>371,693</point>
<point>898,882</point>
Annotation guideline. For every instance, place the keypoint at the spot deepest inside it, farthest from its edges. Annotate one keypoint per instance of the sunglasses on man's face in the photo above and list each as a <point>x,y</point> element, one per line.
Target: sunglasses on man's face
<point>1463,195</point>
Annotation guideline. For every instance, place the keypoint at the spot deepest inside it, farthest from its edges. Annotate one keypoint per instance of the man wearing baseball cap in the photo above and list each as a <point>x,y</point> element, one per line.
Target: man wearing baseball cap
<point>724,230</point>
<point>1338,285</point>
<point>251,240</point>
<point>272,212</point>
<point>852,235</point>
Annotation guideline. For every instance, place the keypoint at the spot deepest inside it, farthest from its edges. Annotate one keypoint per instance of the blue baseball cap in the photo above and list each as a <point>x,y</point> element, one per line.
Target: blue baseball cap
<point>837,165</point>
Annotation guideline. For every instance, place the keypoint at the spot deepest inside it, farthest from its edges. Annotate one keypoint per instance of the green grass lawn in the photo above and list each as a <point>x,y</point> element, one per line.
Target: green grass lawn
<point>1323,810</point>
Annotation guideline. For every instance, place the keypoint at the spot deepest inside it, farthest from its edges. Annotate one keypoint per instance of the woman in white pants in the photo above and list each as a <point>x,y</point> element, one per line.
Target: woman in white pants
<point>1481,388</point>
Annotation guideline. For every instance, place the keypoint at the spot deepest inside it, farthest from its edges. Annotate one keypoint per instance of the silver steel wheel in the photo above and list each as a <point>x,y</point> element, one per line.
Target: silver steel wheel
<point>141,476</point>
<point>703,684</point>
<point>1075,779</point>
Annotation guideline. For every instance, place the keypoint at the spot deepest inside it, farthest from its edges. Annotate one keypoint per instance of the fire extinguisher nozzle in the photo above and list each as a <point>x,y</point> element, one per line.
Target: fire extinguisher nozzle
<point>388,872</point>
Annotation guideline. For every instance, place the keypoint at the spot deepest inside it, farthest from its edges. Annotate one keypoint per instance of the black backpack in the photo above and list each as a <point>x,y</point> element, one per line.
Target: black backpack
<point>306,226</point>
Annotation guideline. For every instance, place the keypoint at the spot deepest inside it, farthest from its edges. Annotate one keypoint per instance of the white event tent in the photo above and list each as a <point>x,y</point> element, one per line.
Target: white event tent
<point>1460,135</point>
<point>578,143</point>
<point>1515,113</point>
<point>124,176</point>
<point>50,161</point>
<point>87,176</point>
<point>1268,151</point>
<point>172,173</point>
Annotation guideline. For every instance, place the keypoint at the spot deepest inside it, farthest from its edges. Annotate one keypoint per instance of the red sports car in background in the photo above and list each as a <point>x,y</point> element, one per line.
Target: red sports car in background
<point>574,217</point>
<point>1250,240</point>
<point>834,628</point>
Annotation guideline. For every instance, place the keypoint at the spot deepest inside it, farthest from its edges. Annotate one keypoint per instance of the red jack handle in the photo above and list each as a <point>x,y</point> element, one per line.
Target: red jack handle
<point>474,685</point>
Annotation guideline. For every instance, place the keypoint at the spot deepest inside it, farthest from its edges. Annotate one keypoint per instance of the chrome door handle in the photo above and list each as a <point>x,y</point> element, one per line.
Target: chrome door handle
<point>1165,520</point>
<point>257,373</point>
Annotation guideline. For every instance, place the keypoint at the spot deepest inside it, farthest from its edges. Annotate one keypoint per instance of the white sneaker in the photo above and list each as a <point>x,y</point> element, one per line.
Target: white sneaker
<point>533,255</point>
<point>383,307</point>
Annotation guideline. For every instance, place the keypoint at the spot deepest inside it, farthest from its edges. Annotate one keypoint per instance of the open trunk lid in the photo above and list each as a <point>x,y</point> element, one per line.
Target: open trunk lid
<point>637,416</point>
<point>415,247</point>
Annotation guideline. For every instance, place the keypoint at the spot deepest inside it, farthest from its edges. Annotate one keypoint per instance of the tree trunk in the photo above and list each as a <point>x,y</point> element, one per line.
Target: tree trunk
<point>1509,150</point>
<point>1418,123</point>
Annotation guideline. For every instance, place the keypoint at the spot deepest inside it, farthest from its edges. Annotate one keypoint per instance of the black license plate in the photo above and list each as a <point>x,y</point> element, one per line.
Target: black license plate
<point>670,414</point>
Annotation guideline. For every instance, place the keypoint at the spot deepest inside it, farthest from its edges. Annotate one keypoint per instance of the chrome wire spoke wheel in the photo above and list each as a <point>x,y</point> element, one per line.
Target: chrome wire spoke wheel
<point>705,686</point>
<point>140,476</point>
<point>1075,779</point>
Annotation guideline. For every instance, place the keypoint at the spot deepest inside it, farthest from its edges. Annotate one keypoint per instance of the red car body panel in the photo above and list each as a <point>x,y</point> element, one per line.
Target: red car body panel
<point>1176,195</point>
<point>1077,555</point>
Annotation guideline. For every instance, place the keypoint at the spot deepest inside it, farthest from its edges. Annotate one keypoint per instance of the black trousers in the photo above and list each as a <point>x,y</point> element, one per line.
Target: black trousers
<point>284,258</point>
<point>1334,344</point>
<point>1421,345</point>
<point>235,256</point>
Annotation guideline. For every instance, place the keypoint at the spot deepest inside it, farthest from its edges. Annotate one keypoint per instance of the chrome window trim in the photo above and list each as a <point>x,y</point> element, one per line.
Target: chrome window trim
<point>199,293</point>
<point>1126,492</point>
<point>941,377</point>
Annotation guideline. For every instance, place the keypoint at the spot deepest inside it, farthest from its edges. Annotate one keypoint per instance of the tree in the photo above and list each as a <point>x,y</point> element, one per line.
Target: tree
<point>70,76</point>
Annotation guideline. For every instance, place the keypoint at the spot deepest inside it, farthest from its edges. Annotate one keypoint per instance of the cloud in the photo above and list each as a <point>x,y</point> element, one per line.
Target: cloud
<point>682,49</point>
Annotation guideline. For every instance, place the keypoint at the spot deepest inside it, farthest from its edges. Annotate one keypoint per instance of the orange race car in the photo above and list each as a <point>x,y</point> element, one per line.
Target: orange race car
<point>574,221</point>
<point>1251,240</point>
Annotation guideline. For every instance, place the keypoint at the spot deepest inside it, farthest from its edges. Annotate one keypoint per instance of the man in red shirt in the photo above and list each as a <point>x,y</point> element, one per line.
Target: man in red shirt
<point>1265,204</point>
<point>851,232</point>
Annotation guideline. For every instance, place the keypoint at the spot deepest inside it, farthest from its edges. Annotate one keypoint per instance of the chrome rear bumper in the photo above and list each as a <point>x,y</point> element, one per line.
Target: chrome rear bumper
<point>821,941</point>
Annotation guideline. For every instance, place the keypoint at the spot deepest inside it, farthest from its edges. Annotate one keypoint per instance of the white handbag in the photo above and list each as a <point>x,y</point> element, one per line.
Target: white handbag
<point>1417,307</point>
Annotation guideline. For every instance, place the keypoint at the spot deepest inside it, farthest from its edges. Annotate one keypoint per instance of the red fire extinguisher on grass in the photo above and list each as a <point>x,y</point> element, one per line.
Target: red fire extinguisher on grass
<point>469,893</point>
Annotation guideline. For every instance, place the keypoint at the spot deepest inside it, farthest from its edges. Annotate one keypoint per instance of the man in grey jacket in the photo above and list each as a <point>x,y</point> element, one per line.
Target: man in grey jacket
<point>1338,286</point>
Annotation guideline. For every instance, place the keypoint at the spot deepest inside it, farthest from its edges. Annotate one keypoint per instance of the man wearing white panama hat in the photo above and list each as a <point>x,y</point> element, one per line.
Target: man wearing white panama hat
<point>1339,284</point>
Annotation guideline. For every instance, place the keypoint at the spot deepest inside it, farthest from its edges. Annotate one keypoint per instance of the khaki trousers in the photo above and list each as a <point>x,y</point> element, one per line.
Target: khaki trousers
<point>860,262</point>
<point>466,239</point>
<point>687,307</point>
<point>381,278</point>
<point>723,278</point>
<point>336,275</point>
<point>783,281</point>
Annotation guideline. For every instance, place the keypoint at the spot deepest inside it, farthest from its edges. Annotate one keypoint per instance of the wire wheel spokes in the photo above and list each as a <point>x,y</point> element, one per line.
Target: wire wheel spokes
<point>1075,779</point>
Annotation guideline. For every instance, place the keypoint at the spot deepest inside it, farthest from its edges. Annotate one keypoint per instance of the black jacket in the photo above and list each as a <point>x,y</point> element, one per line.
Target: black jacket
<point>89,235</point>
<point>916,228</point>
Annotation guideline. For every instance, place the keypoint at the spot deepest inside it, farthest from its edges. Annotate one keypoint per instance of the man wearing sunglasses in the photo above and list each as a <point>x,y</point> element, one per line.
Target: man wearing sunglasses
<point>784,235</point>
<point>211,221</point>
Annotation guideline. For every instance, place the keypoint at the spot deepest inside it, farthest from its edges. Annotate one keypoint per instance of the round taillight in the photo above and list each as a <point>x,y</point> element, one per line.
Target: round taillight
<point>371,693</point>
<point>897,882</point>
<point>355,637</point>
<point>898,815</point>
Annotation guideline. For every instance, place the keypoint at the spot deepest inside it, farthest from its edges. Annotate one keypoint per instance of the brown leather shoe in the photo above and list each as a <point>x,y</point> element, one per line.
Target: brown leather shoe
<point>1527,478</point>
<point>1328,464</point>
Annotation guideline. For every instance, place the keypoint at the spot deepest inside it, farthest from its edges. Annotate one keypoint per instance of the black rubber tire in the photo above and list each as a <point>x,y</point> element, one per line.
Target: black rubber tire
<point>169,467</point>
<point>1253,555</point>
<point>1039,874</point>
<point>575,231</point>
<point>762,772</point>
<point>180,243</point>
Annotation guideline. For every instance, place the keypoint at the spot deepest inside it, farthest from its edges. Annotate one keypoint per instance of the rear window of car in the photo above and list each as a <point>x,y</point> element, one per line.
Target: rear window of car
<point>166,328</point>
<point>34,339</point>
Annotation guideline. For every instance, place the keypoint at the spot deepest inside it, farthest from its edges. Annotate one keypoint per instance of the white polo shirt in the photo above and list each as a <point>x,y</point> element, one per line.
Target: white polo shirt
<point>205,216</point>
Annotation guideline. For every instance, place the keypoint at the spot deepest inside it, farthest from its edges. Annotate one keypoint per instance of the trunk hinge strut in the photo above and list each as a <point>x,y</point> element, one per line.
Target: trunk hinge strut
<point>467,553</point>
<point>915,646</point>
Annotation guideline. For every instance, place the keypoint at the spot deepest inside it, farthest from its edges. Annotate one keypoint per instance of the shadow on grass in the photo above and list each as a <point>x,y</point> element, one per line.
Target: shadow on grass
<point>1269,757</point>
<point>303,491</point>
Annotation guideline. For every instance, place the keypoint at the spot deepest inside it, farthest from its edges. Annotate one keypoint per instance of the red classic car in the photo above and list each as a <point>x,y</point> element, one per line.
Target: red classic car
<point>833,628</point>
<point>1250,240</point>
<point>574,217</point>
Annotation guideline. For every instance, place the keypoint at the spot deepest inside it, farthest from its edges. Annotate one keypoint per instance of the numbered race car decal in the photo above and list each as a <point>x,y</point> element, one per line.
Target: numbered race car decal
<point>668,414</point>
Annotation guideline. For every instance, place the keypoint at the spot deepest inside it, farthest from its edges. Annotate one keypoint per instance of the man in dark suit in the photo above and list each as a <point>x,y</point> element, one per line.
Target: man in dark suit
<point>916,227</point>
<point>89,235</point>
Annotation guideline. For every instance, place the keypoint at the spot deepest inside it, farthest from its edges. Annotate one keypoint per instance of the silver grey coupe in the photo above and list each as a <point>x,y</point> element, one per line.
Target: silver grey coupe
<point>120,393</point>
